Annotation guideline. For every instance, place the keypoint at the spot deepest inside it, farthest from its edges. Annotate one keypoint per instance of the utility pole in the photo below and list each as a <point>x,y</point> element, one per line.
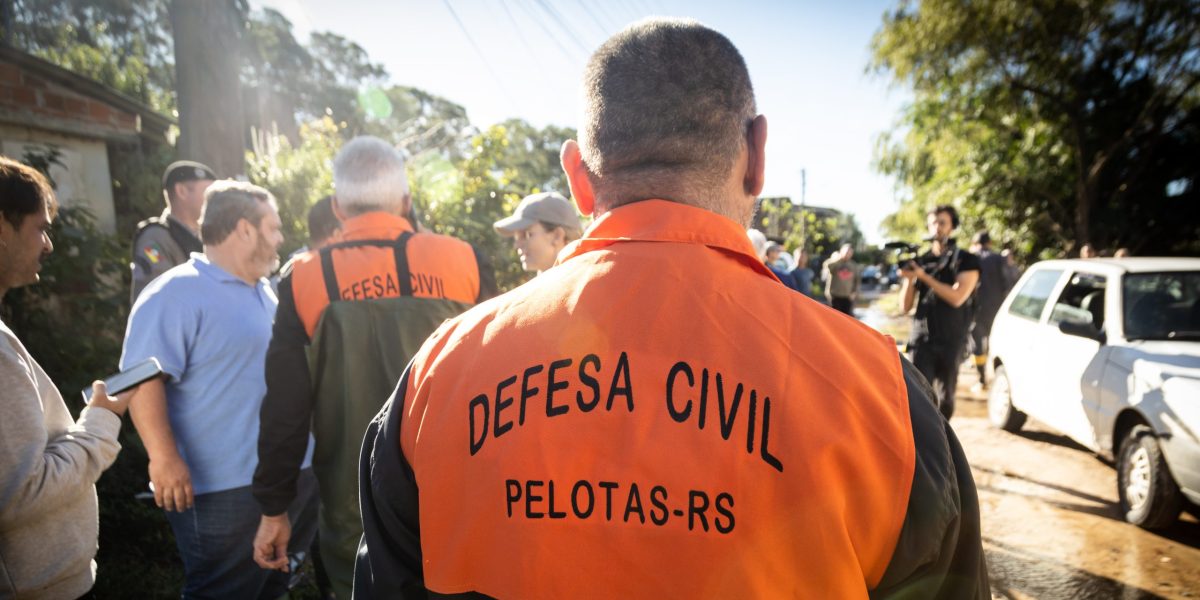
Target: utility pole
<point>803,219</point>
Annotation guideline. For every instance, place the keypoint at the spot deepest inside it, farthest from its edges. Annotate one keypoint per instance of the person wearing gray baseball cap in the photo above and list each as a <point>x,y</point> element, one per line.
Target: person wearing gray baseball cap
<point>540,227</point>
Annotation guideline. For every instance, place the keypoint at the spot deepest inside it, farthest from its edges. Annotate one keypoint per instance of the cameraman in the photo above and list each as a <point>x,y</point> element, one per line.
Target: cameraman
<point>940,282</point>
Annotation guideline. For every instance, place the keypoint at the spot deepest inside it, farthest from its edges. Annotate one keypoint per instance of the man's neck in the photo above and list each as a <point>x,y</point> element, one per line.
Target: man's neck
<point>186,219</point>
<point>226,258</point>
<point>943,246</point>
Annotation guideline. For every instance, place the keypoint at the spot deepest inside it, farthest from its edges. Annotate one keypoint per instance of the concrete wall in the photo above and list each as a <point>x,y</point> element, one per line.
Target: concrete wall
<point>83,179</point>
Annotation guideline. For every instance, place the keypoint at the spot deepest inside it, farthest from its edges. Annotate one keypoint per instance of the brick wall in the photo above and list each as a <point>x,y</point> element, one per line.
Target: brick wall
<point>25,94</point>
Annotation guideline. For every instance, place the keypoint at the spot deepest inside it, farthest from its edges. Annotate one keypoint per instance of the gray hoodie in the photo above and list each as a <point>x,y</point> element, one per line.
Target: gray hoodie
<point>49,464</point>
<point>841,278</point>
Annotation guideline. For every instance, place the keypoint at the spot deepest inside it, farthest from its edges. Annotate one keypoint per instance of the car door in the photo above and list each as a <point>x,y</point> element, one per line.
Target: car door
<point>1073,364</point>
<point>1015,333</point>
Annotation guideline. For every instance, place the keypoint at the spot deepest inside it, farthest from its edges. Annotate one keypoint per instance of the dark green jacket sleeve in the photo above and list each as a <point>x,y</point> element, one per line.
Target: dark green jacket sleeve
<point>940,551</point>
<point>285,418</point>
<point>389,556</point>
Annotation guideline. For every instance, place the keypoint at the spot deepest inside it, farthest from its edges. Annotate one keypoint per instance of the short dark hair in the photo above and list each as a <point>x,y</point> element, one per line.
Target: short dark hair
<point>950,210</point>
<point>23,192</point>
<point>322,223</point>
<point>666,101</point>
<point>227,202</point>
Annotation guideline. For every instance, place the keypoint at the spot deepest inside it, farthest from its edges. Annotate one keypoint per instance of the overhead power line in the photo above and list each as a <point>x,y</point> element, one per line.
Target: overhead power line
<point>554,14</point>
<point>603,27</point>
<point>571,56</point>
<point>519,34</point>
<point>482,57</point>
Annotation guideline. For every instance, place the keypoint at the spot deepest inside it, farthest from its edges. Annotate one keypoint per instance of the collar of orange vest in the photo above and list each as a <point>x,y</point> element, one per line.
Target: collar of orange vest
<point>666,221</point>
<point>374,226</point>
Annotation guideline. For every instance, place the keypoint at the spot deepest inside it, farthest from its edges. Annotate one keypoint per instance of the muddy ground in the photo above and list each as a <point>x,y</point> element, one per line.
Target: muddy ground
<point>1051,528</point>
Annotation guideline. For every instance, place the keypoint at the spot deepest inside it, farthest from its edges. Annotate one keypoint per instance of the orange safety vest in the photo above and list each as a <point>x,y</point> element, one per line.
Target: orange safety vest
<point>656,416</point>
<point>381,257</point>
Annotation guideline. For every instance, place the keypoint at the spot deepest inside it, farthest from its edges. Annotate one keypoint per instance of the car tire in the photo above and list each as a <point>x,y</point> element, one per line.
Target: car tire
<point>1001,411</point>
<point>1149,497</point>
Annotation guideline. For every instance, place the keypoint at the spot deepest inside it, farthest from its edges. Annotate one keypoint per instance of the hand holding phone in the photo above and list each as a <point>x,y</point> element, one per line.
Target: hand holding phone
<point>128,379</point>
<point>100,398</point>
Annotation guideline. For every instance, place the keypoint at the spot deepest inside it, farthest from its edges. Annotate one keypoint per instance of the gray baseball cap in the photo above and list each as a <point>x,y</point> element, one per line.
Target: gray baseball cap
<point>549,207</point>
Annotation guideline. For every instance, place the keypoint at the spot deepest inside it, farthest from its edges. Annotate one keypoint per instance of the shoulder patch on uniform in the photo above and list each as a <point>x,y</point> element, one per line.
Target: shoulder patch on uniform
<point>152,253</point>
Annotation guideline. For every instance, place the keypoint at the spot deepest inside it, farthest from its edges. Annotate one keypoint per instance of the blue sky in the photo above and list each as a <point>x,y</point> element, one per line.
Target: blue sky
<point>524,58</point>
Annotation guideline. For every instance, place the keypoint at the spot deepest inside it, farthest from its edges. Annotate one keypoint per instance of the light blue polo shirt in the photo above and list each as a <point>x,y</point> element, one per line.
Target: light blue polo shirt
<point>210,330</point>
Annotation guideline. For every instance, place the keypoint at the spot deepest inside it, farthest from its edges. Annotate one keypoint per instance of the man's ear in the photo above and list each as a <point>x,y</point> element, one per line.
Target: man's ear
<point>246,229</point>
<point>179,190</point>
<point>337,210</point>
<point>577,177</point>
<point>756,165</point>
<point>7,231</point>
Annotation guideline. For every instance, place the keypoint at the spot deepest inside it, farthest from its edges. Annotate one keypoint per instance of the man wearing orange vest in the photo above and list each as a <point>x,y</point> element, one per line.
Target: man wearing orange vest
<point>627,425</point>
<point>351,314</point>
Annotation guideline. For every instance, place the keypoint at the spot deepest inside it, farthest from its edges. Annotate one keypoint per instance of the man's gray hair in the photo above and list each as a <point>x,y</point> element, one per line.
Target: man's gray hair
<point>666,102</point>
<point>227,202</point>
<point>368,175</point>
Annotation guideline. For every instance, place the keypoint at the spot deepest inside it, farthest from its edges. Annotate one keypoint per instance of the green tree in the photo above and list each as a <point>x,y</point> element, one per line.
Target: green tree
<point>820,231</point>
<point>418,121</point>
<point>465,201</point>
<point>125,44</point>
<point>1052,123</point>
<point>297,176</point>
<point>502,165</point>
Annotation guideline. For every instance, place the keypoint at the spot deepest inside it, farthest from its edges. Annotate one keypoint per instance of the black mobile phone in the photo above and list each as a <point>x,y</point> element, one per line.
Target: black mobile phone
<point>129,378</point>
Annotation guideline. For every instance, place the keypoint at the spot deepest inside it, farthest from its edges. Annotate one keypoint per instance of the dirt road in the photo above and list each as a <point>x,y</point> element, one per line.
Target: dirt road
<point>1051,528</point>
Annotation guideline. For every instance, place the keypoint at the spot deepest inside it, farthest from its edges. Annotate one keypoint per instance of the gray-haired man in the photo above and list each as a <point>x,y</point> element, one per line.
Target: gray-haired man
<point>350,317</point>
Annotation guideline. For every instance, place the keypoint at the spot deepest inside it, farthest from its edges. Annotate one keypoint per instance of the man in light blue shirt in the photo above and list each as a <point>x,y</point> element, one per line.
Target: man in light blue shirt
<point>208,322</point>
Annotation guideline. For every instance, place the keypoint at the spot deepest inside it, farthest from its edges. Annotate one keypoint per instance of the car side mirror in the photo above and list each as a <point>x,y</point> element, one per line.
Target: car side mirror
<point>1083,330</point>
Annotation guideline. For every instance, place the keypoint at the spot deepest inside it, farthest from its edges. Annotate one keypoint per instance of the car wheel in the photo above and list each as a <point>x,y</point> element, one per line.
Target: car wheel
<point>1001,411</point>
<point>1149,497</point>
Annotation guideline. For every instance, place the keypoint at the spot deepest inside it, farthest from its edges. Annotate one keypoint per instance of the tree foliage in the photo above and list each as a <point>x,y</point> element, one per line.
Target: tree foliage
<point>503,164</point>
<point>1051,123</point>
<point>297,176</point>
<point>125,44</point>
<point>820,231</point>
<point>457,196</point>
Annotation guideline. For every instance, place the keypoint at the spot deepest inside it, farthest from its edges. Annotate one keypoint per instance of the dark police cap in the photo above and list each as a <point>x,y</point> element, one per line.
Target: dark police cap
<point>186,170</point>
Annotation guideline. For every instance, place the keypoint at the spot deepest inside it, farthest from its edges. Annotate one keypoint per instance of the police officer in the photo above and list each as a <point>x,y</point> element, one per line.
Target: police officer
<point>350,316</point>
<point>940,284</point>
<point>629,425</point>
<point>169,239</point>
<point>540,227</point>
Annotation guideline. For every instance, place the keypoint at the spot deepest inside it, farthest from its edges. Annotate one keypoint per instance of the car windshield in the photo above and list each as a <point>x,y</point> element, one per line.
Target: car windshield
<point>1162,306</point>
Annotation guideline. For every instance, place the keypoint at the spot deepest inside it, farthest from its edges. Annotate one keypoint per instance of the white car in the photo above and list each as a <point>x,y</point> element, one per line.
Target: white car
<point>1107,351</point>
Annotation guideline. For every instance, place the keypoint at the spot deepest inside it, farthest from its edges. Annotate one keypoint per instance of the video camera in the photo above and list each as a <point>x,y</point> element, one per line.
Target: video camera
<point>905,252</point>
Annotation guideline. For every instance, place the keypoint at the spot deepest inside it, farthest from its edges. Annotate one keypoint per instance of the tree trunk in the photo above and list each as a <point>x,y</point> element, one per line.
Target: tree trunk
<point>1083,211</point>
<point>211,120</point>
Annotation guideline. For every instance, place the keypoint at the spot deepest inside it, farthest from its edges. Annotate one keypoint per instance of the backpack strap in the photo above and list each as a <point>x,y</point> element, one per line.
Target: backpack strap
<point>399,250</point>
<point>403,273</point>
